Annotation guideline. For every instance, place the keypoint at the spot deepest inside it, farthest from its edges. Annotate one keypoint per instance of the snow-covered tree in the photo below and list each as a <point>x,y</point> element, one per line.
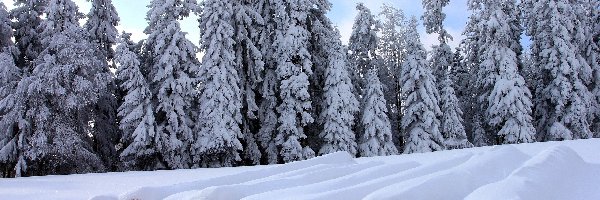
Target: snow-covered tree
<point>170,64</point>
<point>267,110</point>
<point>27,18</point>
<point>293,69</point>
<point>250,66</point>
<point>391,50</point>
<point>136,112</point>
<point>433,20</point>
<point>420,95</point>
<point>218,125</point>
<point>66,83</point>
<point>6,31</point>
<point>452,127</point>
<point>564,104</point>
<point>362,46</point>
<point>509,99</point>
<point>376,138</point>
<point>13,126</point>
<point>340,104</point>
<point>101,24</point>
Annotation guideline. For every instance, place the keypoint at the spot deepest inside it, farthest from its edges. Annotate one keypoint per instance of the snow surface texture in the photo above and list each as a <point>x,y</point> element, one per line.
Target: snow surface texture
<point>554,170</point>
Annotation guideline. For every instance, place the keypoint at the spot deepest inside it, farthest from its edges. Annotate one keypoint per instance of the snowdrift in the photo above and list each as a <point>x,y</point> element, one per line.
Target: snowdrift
<point>554,170</point>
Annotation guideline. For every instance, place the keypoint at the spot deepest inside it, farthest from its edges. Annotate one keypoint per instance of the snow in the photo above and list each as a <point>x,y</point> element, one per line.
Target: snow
<point>553,170</point>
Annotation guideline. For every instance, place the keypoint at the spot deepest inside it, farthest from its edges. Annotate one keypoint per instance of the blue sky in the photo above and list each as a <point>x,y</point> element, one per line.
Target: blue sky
<point>133,13</point>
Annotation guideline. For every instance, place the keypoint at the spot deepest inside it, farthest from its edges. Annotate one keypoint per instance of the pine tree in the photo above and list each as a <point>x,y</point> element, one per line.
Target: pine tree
<point>509,99</point>
<point>471,47</point>
<point>293,69</point>
<point>218,126</point>
<point>452,127</point>
<point>65,85</point>
<point>433,19</point>
<point>564,103</point>
<point>101,24</point>
<point>136,112</point>
<point>169,63</point>
<point>340,104</point>
<point>420,95</point>
<point>267,110</point>
<point>391,50</point>
<point>362,45</point>
<point>250,67</point>
<point>27,18</point>
<point>376,137</point>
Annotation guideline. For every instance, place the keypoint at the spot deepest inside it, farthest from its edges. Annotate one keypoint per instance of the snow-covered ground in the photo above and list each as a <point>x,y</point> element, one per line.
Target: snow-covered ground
<point>554,170</point>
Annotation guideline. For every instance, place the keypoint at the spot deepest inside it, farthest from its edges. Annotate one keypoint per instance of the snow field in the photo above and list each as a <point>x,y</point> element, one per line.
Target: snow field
<point>554,170</point>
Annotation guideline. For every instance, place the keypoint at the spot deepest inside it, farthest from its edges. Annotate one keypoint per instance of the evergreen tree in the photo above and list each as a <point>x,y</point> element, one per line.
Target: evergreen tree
<point>362,46</point>
<point>218,126</point>
<point>13,126</point>
<point>27,18</point>
<point>250,67</point>
<point>293,69</point>
<point>509,99</point>
<point>169,63</point>
<point>391,49</point>
<point>136,112</point>
<point>65,86</point>
<point>452,127</point>
<point>340,104</point>
<point>267,110</point>
<point>376,137</point>
<point>420,95</point>
<point>101,24</point>
<point>433,19</point>
<point>471,47</point>
<point>564,103</point>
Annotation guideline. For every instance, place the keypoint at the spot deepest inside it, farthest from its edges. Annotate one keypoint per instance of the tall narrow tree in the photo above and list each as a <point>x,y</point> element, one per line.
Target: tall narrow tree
<point>293,69</point>
<point>217,142</point>
<point>169,63</point>
<point>340,104</point>
<point>362,46</point>
<point>564,104</point>
<point>420,95</point>
<point>509,99</point>
<point>452,127</point>
<point>136,112</point>
<point>27,16</point>
<point>376,138</point>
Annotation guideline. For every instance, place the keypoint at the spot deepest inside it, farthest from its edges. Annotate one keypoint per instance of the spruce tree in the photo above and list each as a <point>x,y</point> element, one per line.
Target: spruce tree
<point>376,138</point>
<point>268,89</point>
<point>452,127</point>
<point>362,46</point>
<point>391,50</point>
<point>27,18</point>
<point>218,126</point>
<point>340,104</point>
<point>100,25</point>
<point>136,112</point>
<point>170,65</point>
<point>293,69</point>
<point>420,95</point>
<point>564,104</point>
<point>250,66</point>
<point>65,86</point>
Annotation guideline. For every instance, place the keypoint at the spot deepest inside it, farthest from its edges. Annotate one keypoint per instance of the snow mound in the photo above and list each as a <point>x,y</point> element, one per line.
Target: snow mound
<point>457,182</point>
<point>557,173</point>
<point>156,193</point>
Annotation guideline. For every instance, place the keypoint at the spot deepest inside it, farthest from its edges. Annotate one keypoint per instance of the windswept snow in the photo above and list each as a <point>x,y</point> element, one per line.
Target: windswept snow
<point>554,170</point>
